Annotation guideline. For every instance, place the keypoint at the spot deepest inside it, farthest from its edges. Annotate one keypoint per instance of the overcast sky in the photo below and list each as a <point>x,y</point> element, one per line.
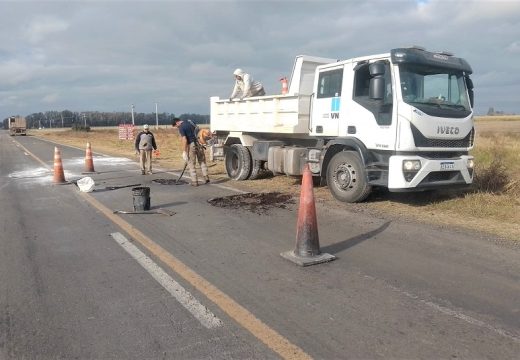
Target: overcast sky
<point>107,55</point>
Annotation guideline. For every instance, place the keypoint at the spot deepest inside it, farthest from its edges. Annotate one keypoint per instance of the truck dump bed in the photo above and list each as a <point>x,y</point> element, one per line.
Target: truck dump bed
<point>285,114</point>
<point>281,114</point>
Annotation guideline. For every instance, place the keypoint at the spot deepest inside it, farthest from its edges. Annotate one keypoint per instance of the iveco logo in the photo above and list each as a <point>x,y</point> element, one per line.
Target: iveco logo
<point>448,130</point>
<point>440,57</point>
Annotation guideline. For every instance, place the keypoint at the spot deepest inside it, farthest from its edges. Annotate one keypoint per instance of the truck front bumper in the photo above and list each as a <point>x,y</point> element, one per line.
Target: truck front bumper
<point>433,173</point>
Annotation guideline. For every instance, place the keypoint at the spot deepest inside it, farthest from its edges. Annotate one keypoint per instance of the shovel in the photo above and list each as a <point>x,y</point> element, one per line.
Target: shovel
<point>182,173</point>
<point>120,187</point>
<point>157,211</point>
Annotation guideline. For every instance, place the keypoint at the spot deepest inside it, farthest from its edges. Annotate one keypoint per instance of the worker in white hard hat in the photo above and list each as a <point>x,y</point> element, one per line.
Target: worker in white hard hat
<point>245,86</point>
<point>144,144</point>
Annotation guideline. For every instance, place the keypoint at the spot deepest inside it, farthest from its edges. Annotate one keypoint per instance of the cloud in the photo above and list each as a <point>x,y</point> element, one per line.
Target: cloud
<point>50,98</point>
<point>81,55</point>
<point>514,47</point>
<point>43,26</point>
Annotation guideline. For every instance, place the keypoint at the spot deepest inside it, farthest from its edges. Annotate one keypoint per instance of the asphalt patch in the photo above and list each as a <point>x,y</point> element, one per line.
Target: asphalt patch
<point>170,181</point>
<point>259,203</point>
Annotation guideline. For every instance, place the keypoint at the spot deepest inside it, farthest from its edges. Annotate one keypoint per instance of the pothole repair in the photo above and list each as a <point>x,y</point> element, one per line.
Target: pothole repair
<point>170,181</point>
<point>257,203</point>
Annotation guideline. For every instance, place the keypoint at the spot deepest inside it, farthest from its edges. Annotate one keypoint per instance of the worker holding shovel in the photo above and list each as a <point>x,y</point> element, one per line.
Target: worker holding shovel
<point>192,150</point>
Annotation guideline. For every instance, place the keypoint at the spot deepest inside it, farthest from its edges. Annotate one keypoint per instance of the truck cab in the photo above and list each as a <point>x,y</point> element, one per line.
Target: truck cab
<point>408,116</point>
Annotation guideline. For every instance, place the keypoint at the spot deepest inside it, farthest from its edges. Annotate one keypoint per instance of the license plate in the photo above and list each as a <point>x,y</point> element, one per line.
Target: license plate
<point>447,165</point>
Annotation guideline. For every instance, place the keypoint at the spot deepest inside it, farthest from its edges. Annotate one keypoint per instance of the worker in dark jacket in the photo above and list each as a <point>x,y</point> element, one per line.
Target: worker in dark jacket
<point>144,144</point>
<point>191,149</point>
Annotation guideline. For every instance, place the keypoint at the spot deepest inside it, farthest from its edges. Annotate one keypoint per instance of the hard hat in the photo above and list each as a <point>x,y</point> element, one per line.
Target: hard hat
<point>238,72</point>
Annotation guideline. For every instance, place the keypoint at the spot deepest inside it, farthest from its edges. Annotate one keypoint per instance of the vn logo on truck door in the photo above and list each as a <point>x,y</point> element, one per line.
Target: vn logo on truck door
<point>334,108</point>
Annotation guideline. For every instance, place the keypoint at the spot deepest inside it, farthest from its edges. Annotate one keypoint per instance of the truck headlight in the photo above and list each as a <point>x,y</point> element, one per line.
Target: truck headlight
<point>411,168</point>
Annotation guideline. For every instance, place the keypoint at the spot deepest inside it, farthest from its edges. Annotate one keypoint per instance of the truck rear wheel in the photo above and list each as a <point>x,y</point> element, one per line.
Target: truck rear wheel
<point>238,162</point>
<point>346,177</point>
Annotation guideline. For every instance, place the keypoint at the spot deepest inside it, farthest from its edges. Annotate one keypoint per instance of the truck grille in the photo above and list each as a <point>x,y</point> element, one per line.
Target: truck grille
<point>421,141</point>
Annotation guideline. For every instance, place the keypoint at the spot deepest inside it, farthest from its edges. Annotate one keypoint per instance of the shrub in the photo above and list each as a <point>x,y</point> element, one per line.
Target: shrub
<point>492,179</point>
<point>79,127</point>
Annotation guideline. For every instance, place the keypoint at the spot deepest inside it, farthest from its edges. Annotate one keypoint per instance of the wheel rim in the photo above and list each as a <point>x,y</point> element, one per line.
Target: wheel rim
<point>234,163</point>
<point>345,176</point>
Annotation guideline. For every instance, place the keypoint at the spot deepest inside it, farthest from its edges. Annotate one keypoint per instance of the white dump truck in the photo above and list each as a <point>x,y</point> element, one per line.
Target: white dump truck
<point>17,125</point>
<point>401,120</point>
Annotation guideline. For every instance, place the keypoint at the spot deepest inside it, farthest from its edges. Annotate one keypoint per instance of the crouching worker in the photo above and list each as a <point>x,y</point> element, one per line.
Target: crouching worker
<point>245,86</point>
<point>192,150</point>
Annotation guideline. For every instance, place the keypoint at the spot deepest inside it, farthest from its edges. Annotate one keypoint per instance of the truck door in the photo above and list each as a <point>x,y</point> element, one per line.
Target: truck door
<point>326,105</point>
<point>371,120</point>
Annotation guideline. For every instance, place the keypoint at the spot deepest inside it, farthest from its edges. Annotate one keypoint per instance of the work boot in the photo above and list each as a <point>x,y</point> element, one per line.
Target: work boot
<point>207,180</point>
<point>142,173</point>
<point>194,183</point>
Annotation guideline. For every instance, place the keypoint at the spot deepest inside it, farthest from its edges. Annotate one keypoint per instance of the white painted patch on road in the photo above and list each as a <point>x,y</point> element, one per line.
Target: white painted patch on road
<point>99,160</point>
<point>36,173</point>
<point>200,312</point>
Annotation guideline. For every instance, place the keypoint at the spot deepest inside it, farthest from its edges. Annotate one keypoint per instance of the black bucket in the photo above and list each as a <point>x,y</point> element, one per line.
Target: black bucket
<point>141,198</point>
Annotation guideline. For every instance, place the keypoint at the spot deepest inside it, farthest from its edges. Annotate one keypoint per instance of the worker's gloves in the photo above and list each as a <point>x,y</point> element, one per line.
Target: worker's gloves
<point>185,156</point>
<point>137,152</point>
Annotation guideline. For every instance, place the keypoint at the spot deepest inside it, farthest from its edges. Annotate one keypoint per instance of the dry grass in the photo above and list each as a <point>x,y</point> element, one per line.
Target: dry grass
<point>492,207</point>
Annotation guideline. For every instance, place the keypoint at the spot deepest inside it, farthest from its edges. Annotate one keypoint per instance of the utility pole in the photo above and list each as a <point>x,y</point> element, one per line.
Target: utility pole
<point>133,122</point>
<point>61,120</point>
<point>85,120</point>
<point>156,118</point>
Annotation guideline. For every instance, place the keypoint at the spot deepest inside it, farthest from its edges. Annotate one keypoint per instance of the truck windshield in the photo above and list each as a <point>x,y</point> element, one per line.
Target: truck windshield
<point>436,91</point>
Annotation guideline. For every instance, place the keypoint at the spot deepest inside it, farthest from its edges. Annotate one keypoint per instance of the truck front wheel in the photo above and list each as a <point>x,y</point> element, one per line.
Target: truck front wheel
<point>346,177</point>
<point>238,162</point>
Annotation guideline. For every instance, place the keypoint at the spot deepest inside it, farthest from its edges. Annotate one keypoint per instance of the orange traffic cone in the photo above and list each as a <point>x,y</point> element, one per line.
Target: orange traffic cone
<point>59,176</point>
<point>307,251</point>
<point>89,163</point>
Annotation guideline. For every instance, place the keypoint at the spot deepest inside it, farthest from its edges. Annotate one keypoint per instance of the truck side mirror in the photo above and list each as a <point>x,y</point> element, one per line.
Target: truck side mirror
<point>376,89</point>
<point>469,85</point>
<point>377,69</point>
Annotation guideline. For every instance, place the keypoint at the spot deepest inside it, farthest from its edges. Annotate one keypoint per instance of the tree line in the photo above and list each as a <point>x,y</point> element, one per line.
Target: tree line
<point>67,119</point>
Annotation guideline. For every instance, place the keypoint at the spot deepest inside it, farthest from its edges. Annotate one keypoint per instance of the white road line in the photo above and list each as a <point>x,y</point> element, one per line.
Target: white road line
<point>201,313</point>
<point>457,314</point>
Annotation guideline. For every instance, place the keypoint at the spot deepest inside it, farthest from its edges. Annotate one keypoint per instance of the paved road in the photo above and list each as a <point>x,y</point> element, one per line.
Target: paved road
<point>80,282</point>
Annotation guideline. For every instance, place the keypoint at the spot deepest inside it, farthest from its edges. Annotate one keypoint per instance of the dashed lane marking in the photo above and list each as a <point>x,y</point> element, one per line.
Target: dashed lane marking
<point>200,312</point>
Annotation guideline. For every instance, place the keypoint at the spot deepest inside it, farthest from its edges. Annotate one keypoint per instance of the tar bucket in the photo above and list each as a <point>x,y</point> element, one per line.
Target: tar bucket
<point>141,198</point>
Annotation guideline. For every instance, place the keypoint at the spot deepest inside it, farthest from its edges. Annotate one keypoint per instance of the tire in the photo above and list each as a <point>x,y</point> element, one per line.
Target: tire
<point>346,177</point>
<point>238,162</point>
<point>258,171</point>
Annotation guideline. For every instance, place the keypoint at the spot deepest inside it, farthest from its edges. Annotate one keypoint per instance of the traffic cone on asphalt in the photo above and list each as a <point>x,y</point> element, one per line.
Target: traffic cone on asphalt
<point>307,251</point>
<point>89,163</point>
<point>59,176</point>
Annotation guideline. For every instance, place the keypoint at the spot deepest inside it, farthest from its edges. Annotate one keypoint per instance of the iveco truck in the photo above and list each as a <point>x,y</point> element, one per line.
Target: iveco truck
<point>401,120</point>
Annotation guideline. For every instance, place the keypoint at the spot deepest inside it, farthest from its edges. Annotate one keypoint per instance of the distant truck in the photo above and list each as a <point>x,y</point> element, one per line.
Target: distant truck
<point>401,120</point>
<point>17,125</point>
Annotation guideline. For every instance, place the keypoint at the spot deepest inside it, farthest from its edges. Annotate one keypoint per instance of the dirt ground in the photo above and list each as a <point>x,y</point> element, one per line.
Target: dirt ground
<point>444,209</point>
